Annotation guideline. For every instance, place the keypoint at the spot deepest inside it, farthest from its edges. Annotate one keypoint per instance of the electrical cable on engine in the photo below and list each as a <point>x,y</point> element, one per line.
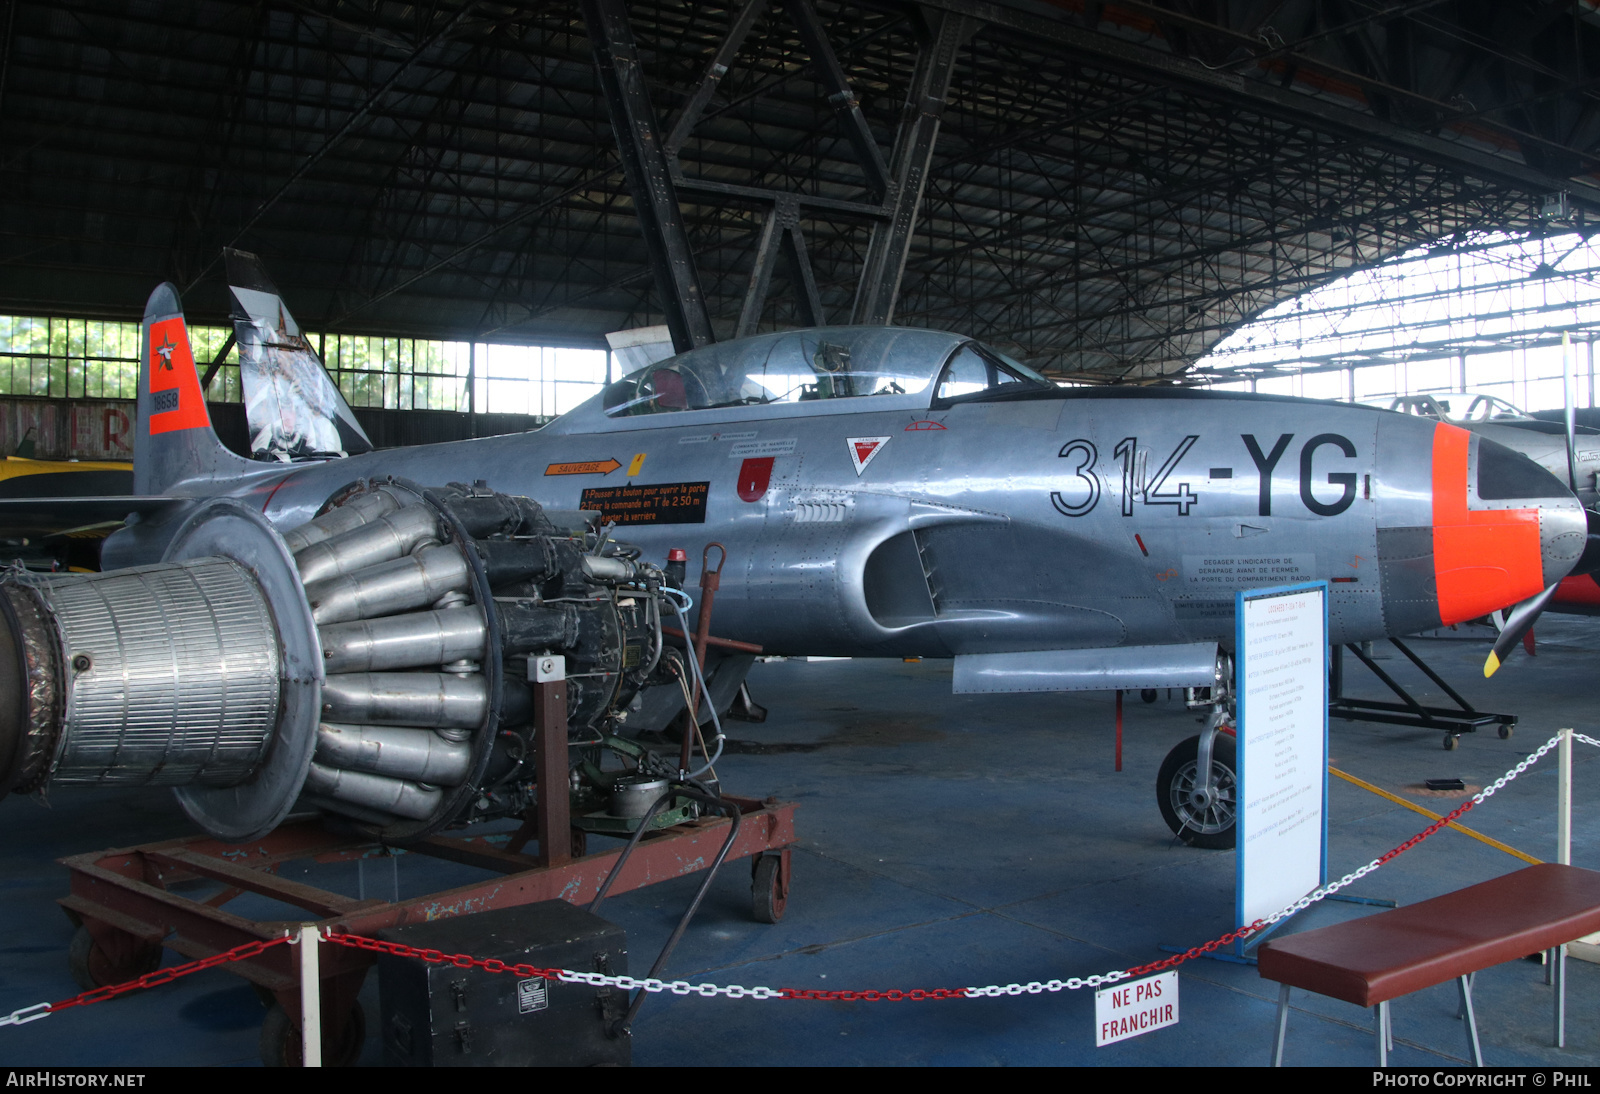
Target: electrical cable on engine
<point>716,723</point>
<point>683,686</point>
<point>673,594</point>
<point>710,759</point>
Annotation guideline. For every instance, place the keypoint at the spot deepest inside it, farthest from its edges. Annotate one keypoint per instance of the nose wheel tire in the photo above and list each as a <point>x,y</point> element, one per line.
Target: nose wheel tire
<point>1200,822</point>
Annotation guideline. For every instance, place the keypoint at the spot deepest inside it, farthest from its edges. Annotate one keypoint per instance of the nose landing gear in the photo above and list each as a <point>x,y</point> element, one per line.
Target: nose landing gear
<point>1197,788</point>
<point>1200,812</point>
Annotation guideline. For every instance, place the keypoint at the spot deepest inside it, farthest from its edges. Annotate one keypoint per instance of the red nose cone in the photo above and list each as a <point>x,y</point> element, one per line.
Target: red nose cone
<point>1484,559</point>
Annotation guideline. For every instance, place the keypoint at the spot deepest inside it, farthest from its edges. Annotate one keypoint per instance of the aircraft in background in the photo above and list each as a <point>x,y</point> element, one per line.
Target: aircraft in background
<point>877,491</point>
<point>1544,442</point>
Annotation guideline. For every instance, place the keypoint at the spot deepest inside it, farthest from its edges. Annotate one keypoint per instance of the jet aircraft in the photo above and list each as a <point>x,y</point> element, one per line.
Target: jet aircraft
<point>878,491</point>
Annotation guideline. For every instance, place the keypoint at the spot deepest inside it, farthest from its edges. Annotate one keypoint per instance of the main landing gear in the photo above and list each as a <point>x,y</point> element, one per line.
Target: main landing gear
<point>1197,787</point>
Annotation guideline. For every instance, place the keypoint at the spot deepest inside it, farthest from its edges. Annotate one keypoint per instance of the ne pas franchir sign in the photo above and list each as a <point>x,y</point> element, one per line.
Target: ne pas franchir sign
<point>1136,1007</point>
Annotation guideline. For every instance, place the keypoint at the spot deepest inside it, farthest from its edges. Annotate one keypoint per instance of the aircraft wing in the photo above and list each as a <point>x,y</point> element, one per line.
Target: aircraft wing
<point>36,518</point>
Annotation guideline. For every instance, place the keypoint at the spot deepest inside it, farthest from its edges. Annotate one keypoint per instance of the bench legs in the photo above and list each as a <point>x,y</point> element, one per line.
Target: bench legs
<point>1474,1051</point>
<point>1556,963</point>
<point>1383,1021</point>
<point>1283,1024</point>
<point>1461,1011</point>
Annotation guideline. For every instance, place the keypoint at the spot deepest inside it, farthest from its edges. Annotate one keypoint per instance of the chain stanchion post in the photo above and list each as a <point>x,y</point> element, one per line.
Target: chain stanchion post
<point>1564,801</point>
<point>310,997</point>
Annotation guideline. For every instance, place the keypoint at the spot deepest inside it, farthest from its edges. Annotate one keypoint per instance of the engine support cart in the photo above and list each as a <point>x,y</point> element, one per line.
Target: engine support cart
<point>126,909</point>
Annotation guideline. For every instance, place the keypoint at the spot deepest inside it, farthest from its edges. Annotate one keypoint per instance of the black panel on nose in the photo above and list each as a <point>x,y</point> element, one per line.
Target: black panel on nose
<point>1505,475</point>
<point>1409,583</point>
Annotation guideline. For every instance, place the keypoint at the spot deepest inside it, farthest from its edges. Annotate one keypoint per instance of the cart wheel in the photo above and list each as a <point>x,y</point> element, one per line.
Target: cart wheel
<point>120,959</point>
<point>280,1040</point>
<point>1506,731</point>
<point>1149,695</point>
<point>1450,742</point>
<point>768,897</point>
<point>1200,824</point>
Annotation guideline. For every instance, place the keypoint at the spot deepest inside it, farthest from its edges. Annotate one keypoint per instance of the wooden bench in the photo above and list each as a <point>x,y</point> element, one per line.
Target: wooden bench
<point>1372,960</point>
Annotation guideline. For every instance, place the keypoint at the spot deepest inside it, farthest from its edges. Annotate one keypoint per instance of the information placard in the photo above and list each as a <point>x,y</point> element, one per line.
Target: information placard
<point>658,503</point>
<point>1282,665</point>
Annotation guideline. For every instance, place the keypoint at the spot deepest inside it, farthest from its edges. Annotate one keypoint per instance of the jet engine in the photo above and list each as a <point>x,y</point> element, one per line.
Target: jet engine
<point>373,663</point>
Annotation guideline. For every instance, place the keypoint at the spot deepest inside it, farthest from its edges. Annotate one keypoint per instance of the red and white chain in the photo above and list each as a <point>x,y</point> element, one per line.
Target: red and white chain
<point>736,991</point>
<point>1036,987</point>
<point>148,980</point>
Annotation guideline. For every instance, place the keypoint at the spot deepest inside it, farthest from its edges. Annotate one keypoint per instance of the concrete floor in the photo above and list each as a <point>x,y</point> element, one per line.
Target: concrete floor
<point>948,841</point>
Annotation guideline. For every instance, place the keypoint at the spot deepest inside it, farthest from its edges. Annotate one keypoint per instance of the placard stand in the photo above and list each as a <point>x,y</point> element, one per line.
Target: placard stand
<point>1281,689</point>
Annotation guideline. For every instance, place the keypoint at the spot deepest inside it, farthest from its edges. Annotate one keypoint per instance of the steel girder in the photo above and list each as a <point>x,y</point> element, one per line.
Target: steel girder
<point>1109,190</point>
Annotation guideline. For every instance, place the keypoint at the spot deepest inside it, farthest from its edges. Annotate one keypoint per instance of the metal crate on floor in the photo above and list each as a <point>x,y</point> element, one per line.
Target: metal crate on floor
<point>445,1016</point>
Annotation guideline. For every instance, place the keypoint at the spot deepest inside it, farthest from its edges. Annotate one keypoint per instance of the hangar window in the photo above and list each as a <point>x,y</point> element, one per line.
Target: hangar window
<point>421,374</point>
<point>1464,320</point>
<point>66,358</point>
<point>55,357</point>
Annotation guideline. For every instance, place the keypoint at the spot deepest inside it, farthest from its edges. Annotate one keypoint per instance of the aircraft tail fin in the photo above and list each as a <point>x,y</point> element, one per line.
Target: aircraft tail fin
<point>173,440</point>
<point>293,408</point>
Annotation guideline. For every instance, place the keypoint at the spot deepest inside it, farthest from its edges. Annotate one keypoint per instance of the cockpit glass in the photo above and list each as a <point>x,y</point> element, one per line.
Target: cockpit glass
<point>975,370</point>
<point>788,367</point>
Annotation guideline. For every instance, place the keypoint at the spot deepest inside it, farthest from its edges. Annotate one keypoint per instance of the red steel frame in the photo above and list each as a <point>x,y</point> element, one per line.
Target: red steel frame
<point>124,897</point>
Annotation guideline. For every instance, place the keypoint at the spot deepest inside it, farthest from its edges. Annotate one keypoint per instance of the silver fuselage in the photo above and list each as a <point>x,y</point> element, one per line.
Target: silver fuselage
<point>1071,519</point>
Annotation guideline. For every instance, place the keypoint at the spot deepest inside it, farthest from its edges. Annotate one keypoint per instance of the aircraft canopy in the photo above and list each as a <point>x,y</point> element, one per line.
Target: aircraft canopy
<point>797,366</point>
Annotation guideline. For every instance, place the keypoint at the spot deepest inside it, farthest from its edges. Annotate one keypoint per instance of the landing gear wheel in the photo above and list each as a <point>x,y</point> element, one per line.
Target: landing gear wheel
<point>1451,741</point>
<point>1506,731</point>
<point>1208,824</point>
<point>1149,695</point>
<point>280,1040</point>
<point>97,965</point>
<point>768,898</point>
